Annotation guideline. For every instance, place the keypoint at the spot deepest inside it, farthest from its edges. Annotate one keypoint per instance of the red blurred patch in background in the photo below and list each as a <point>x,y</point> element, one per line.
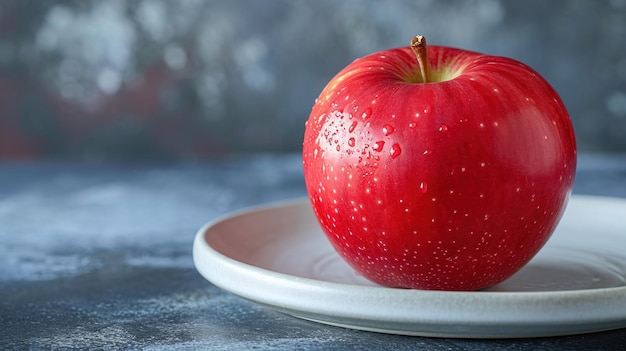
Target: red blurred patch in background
<point>132,123</point>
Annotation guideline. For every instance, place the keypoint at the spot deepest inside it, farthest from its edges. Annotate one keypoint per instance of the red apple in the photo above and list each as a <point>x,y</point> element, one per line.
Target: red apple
<point>438,168</point>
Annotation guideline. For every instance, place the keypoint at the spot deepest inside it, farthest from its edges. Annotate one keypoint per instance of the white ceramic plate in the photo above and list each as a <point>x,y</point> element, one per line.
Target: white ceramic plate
<point>277,256</point>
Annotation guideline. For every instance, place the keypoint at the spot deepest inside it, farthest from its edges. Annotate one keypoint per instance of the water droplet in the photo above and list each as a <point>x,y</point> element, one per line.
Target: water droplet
<point>423,187</point>
<point>427,152</point>
<point>378,146</point>
<point>351,142</point>
<point>443,128</point>
<point>338,148</point>
<point>367,113</point>
<point>352,126</point>
<point>388,129</point>
<point>395,150</point>
<point>412,125</point>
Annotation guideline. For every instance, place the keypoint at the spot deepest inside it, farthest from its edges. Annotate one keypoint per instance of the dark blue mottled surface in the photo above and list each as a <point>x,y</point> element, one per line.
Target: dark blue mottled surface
<point>99,257</point>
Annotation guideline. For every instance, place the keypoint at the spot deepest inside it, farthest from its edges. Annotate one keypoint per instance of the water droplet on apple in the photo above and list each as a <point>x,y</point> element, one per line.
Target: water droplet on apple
<point>378,146</point>
<point>352,126</point>
<point>351,142</point>
<point>412,125</point>
<point>395,150</point>
<point>427,152</point>
<point>443,128</point>
<point>423,187</point>
<point>367,113</point>
<point>338,148</point>
<point>388,129</point>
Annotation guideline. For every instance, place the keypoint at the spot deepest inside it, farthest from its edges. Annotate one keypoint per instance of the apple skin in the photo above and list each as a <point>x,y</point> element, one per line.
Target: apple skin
<point>453,184</point>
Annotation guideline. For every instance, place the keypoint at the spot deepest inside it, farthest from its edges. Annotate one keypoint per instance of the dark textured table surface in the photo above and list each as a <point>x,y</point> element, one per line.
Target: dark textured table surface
<point>99,257</point>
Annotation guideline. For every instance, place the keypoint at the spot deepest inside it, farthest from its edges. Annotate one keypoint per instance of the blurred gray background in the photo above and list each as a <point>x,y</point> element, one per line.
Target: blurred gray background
<point>191,79</point>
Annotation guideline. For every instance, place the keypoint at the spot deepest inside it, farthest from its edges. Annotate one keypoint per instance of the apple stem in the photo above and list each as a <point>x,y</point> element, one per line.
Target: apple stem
<point>418,45</point>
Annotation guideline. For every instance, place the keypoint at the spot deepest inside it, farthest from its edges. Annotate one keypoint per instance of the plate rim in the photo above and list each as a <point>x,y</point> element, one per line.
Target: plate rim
<point>508,299</point>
